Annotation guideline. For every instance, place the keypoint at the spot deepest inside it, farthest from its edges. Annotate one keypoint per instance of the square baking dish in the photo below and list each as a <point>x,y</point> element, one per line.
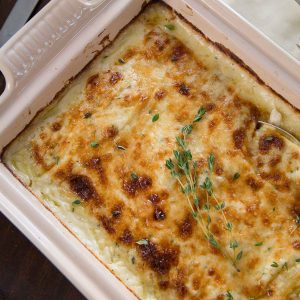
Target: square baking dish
<point>52,48</point>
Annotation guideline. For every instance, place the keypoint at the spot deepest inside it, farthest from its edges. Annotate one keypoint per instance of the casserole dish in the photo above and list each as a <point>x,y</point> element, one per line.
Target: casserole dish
<point>36,221</point>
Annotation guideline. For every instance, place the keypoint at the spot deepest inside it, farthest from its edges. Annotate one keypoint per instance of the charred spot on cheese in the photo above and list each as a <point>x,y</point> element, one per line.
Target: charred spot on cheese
<point>87,115</point>
<point>180,288</point>
<point>211,272</point>
<point>135,184</point>
<point>209,106</point>
<point>56,126</point>
<point>159,214</point>
<point>154,198</point>
<point>110,132</point>
<point>83,187</point>
<point>95,163</point>
<point>163,284</point>
<point>116,212</point>
<point>161,44</point>
<point>254,113</point>
<point>160,94</point>
<point>266,142</point>
<point>159,258</point>
<point>115,78</point>
<point>177,53</point>
<point>275,161</point>
<point>108,224</point>
<point>93,81</point>
<point>239,136</point>
<point>254,183</point>
<point>126,237</point>
<point>186,227</point>
<point>183,89</point>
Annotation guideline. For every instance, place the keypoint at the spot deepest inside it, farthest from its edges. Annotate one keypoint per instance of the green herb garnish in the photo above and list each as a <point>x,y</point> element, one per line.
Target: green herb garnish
<point>134,176</point>
<point>94,144</point>
<point>297,260</point>
<point>76,202</point>
<point>285,266</point>
<point>201,112</point>
<point>211,161</point>
<point>155,117</point>
<point>56,158</point>
<point>236,176</point>
<point>186,171</point>
<point>122,61</point>
<point>228,296</point>
<point>121,147</point>
<point>142,242</point>
<point>274,264</point>
<point>170,26</point>
<point>258,244</point>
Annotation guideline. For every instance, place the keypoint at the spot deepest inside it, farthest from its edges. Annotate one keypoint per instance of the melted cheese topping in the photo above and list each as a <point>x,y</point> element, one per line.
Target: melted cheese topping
<point>96,157</point>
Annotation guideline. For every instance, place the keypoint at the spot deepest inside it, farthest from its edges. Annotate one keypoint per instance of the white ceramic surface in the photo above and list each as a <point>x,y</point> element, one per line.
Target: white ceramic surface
<point>278,19</point>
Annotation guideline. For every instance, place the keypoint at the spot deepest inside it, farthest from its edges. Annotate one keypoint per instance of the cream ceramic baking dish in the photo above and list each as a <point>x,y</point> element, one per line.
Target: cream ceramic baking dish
<point>39,60</point>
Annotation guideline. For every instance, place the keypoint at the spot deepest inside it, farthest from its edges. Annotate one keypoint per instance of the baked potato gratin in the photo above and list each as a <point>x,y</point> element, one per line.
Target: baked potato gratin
<point>157,159</point>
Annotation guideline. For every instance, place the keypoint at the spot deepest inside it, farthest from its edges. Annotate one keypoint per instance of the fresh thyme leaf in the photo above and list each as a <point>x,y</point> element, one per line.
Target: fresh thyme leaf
<point>258,244</point>
<point>211,161</point>
<point>186,189</point>
<point>155,117</point>
<point>133,260</point>
<point>121,147</point>
<point>170,26</point>
<point>233,244</point>
<point>297,260</point>
<point>208,219</point>
<point>174,173</point>
<point>228,226</point>
<point>220,206</point>
<point>187,173</point>
<point>206,206</point>
<point>239,255</point>
<point>122,61</point>
<point>134,176</point>
<point>94,144</point>
<point>228,296</point>
<point>180,142</point>
<point>207,185</point>
<point>188,154</point>
<point>298,219</point>
<point>213,241</point>
<point>194,214</point>
<point>285,266</point>
<point>76,202</point>
<point>201,112</point>
<point>187,129</point>
<point>142,242</point>
<point>169,164</point>
<point>236,176</point>
<point>274,264</point>
<point>56,158</point>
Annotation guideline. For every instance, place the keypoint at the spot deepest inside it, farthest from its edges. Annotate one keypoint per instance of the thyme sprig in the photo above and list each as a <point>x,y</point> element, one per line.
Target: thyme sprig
<point>186,171</point>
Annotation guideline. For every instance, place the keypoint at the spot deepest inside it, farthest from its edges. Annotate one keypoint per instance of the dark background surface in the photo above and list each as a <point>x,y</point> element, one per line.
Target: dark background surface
<point>24,272</point>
